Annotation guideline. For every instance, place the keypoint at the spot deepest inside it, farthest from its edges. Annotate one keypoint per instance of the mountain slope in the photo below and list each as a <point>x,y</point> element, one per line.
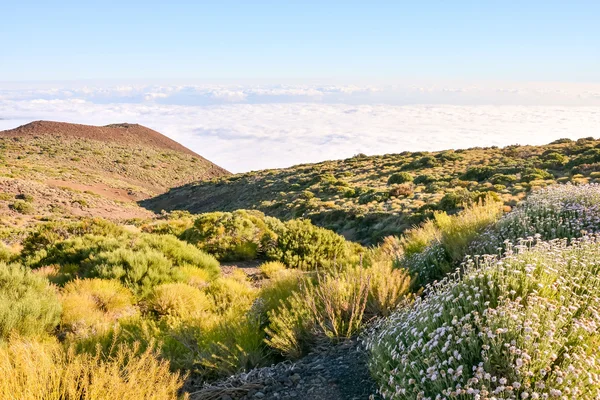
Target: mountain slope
<point>71,169</point>
<point>367,198</point>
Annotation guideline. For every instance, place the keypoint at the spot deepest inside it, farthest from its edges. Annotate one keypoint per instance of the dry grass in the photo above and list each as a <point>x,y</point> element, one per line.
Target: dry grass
<point>44,371</point>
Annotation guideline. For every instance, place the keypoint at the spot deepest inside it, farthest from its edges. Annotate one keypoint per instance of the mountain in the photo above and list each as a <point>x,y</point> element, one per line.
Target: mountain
<point>92,170</point>
<point>367,198</point>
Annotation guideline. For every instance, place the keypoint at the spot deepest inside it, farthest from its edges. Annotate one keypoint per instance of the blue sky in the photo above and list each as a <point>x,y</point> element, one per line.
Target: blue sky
<point>286,40</point>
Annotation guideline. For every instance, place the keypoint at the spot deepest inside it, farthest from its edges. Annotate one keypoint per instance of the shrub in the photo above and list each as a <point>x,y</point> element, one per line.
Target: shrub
<point>28,304</point>
<point>531,174</point>
<point>240,235</point>
<point>456,199</point>
<point>334,306</point>
<point>22,207</point>
<point>478,173</point>
<point>178,301</point>
<point>522,327</point>
<point>400,177</point>
<point>93,305</point>
<point>45,235</point>
<point>272,268</point>
<point>140,262</point>
<point>230,295</point>
<point>404,190</point>
<point>563,211</point>
<point>503,179</point>
<point>554,160</point>
<point>438,247</point>
<point>171,226</point>
<point>303,245</point>
<point>424,179</point>
<point>231,345</point>
<point>33,370</point>
<point>25,197</point>
<point>277,290</point>
<point>388,288</point>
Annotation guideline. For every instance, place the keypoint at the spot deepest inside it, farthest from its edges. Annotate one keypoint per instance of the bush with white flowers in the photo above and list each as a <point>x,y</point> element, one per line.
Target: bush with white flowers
<point>522,327</point>
<point>563,211</point>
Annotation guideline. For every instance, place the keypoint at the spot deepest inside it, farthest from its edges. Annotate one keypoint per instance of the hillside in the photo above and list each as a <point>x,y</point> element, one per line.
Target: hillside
<point>367,198</point>
<point>60,169</point>
<point>101,297</point>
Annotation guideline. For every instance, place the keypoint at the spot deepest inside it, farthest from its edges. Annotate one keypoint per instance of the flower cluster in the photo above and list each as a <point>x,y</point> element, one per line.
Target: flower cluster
<point>525,326</point>
<point>563,211</point>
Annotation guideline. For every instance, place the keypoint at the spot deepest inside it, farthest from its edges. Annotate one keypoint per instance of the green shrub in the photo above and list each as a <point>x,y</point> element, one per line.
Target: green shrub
<point>478,173</point>
<point>25,197</point>
<point>29,306</point>
<point>277,290</point>
<point>400,177</point>
<point>531,174</point>
<point>503,179</point>
<point>22,207</point>
<point>47,234</point>
<point>230,295</point>
<point>334,306</point>
<point>424,179</point>
<point>554,160</point>
<point>240,235</point>
<point>305,246</point>
<point>272,268</point>
<point>140,261</point>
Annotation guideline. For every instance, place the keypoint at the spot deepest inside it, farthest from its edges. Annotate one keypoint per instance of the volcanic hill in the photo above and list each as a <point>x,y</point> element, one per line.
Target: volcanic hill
<point>85,170</point>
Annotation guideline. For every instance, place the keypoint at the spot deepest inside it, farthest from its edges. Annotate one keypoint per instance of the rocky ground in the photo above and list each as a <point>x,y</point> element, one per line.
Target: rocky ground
<point>329,373</point>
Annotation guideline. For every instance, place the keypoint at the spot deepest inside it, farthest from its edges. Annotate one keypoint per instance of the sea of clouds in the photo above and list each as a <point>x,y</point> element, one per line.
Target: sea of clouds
<point>253,126</point>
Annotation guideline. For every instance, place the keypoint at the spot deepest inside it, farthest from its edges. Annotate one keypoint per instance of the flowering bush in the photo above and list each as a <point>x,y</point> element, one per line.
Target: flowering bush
<point>563,211</point>
<point>522,327</point>
<point>439,245</point>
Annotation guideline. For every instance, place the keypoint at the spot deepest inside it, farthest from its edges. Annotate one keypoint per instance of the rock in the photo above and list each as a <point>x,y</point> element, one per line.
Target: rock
<point>295,378</point>
<point>259,395</point>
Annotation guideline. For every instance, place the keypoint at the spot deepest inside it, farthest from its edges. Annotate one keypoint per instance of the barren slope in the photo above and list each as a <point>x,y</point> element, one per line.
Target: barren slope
<point>73,169</point>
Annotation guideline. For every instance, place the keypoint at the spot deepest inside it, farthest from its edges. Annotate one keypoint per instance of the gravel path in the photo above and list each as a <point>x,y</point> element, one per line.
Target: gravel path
<point>330,373</point>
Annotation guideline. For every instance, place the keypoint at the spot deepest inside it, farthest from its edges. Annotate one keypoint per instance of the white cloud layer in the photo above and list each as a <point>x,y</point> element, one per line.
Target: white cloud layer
<point>252,127</point>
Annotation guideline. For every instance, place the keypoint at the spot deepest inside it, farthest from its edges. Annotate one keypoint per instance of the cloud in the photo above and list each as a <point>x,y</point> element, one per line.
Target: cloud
<point>243,137</point>
<point>244,127</point>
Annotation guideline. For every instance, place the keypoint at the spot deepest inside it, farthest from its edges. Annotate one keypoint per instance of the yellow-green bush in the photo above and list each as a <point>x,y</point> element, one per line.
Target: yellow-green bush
<point>230,295</point>
<point>178,301</point>
<point>34,370</point>
<point>93,305</point>
<point>272,268</point>
<point>439,245</point>
<point>29,306</point>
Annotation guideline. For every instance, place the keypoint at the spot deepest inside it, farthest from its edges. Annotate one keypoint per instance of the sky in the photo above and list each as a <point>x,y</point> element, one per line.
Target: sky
<point>269,84</point>
<point>545,40</point>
